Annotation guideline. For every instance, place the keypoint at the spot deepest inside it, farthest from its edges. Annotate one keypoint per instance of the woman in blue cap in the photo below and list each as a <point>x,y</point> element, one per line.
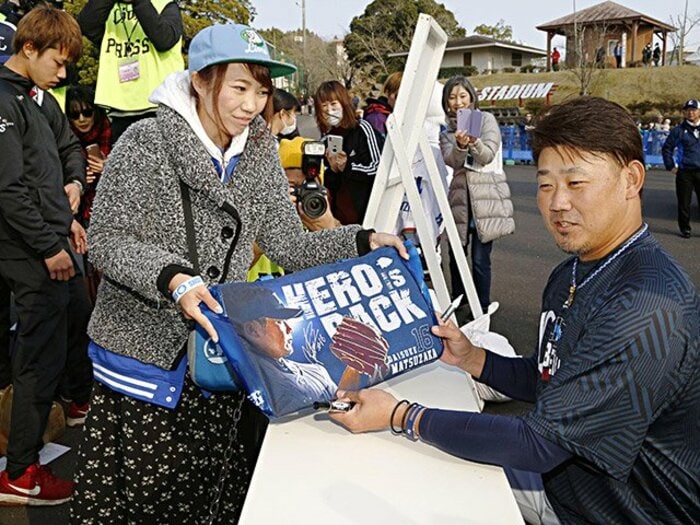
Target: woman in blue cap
<point>182,200</point>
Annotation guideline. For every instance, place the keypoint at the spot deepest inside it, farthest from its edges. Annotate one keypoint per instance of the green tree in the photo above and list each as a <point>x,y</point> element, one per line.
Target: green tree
<point>387,27</point>
<point>87,64</point>
<point>321,62</point>
<point>500,31</point>
<point>198,14</point>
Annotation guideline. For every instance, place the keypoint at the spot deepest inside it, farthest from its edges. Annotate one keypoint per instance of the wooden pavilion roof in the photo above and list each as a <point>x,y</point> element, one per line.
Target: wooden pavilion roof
<point>605,12</point>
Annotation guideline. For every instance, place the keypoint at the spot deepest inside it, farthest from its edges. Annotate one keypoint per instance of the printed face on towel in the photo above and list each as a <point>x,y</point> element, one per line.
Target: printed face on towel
<point>583,198</point>
<point>240,99</point>
<point>271,337</point>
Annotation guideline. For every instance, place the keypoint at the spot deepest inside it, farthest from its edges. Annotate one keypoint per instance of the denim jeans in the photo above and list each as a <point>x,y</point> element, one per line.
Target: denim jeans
<point>481,269</point>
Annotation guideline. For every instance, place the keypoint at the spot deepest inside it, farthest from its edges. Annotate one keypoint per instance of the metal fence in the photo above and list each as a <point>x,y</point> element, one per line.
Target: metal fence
<point>516,147</point>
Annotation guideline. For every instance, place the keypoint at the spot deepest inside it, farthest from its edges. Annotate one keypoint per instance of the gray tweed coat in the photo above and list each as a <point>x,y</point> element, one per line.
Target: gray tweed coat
<point>138,228</point>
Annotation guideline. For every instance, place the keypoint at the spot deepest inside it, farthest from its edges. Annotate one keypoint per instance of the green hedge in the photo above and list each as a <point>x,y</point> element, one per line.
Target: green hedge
<point>448,72</point>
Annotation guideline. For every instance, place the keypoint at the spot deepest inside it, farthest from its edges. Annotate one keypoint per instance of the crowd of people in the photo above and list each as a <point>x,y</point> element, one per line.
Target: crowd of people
<point>120,206</point>
<point>650,56</point>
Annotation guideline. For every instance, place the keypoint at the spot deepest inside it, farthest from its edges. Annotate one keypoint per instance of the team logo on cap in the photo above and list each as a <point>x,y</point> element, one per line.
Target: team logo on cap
<point>255,42</point>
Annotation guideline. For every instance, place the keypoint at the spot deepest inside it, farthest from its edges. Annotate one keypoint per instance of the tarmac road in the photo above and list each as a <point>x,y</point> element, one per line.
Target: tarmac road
<point>521,265</point>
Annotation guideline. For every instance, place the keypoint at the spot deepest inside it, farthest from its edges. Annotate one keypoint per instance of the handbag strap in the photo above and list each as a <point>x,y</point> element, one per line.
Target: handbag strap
<point>189,226</point>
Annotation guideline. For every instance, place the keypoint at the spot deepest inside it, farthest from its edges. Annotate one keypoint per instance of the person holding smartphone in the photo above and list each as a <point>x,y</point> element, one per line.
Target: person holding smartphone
<point>477,160</point>
<point>353,150</point>
<point>91,125</point>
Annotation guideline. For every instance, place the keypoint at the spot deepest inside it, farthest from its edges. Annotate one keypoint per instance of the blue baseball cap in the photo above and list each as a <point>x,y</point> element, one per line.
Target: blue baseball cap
<point>691,104</point>
<point>226,43</point>
<point>249,301</point>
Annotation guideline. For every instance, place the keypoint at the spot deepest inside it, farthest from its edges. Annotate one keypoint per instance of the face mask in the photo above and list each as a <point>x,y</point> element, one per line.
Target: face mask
<point>334,117</point>
<point>289,129</point>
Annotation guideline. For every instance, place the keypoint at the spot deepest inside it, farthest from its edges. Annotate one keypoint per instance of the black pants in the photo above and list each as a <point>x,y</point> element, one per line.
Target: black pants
<point>76,381</point>
<point>39,354</point>
<point>5,342</point>
<point>686,182</point>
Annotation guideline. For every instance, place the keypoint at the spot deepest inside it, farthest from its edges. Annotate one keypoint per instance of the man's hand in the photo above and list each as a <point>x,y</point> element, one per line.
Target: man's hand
<point>371,412</point>
<point>60,266</point>
<point>338,161</point>
<point>189,304</point>
<point>78,237</point>
<point>674,170</point>
<point>377,240</point>
<point>459,351</point>
<point>73,193</point>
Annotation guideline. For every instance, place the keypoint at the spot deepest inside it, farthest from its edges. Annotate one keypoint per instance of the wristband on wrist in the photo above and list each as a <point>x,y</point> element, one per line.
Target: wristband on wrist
<point>185,287</point>
<point>412,413</point>
<point>393,413</point>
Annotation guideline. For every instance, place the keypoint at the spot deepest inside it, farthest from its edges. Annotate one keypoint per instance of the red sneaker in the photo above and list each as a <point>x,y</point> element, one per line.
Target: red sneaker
<point>37,486</point>
<point>76,414</point>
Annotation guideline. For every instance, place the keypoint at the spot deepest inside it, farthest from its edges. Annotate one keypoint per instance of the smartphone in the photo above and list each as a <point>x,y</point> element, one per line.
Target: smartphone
<point>469,121</point>
<point>335,144</point>
<point>93,151</point>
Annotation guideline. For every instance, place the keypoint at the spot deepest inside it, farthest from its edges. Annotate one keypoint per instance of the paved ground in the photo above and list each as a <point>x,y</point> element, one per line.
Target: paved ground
<point>521,264</point>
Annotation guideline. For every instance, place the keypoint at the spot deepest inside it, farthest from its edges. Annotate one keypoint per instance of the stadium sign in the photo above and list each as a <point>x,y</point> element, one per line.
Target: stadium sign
<point>517,91</point>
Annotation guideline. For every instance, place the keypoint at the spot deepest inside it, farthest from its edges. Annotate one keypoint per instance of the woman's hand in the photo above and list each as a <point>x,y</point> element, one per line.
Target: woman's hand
<point>458,349</point>
<point>189,304</point>
<point>94,168</point>
<point>371,412</point>
<point>338,161</point>
<point>463,140</point>
<point>377,240</point>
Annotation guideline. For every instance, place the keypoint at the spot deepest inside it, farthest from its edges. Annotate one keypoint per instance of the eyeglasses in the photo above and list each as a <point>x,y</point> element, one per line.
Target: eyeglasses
<point>85,112</point>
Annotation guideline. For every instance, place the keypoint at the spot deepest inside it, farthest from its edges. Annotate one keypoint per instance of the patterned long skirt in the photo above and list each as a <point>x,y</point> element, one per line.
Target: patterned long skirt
<point>144,464</point>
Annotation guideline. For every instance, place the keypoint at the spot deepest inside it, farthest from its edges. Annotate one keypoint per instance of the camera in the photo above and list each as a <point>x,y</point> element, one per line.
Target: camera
<point>311,195</point>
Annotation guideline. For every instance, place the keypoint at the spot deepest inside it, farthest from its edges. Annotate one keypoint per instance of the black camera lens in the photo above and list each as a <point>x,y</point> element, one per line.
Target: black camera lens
<point>311,197</point>
<point>314,205</point>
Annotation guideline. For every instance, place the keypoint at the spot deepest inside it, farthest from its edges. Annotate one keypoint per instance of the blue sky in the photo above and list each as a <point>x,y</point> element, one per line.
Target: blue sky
<point>332,18</point>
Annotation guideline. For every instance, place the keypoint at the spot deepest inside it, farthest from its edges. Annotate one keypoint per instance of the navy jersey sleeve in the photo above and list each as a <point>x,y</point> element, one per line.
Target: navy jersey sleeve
<point>626,367</point>
<point>513,376</point>
<point>498,440</point>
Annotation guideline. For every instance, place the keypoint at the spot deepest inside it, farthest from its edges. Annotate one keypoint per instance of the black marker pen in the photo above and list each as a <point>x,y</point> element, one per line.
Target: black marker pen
<point>335,405</point>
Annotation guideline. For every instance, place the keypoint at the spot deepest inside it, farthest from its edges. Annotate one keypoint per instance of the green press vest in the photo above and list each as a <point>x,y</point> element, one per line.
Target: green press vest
<point>124,42</point>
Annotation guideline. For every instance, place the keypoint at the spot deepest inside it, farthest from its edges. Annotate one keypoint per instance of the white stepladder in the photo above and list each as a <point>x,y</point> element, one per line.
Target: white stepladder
<point>405,134</point>
<point>374,478</point>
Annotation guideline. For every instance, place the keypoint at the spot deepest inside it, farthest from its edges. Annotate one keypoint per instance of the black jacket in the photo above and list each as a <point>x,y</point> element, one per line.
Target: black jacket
<point>351,189</point>
<point>164,29</point>
<point>35,216</point>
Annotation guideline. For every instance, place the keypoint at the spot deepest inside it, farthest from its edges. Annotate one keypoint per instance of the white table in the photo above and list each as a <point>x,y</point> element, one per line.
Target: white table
<point>312,471</point>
